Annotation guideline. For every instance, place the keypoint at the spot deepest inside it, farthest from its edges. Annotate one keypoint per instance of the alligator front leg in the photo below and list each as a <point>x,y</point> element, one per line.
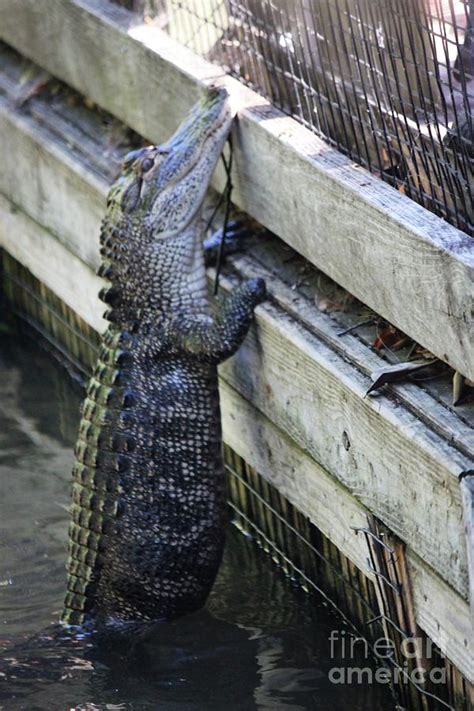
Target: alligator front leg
<point>217,338</point>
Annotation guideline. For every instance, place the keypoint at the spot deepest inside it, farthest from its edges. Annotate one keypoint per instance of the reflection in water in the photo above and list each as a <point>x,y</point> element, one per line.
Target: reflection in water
<point>259,644</point>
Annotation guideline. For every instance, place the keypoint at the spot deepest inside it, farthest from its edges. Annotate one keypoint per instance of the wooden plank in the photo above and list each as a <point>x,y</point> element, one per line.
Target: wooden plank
<point>390,461</point>
<point>60,189</point>
<point>52,263</point>
<point>384,455</point>
<point>51,184</point>
<point>299,478</point>
<point>441,613</point>
<point>314,491</point>
<point>428,408</point>
<point>467,492</point>
<point>410,266</point>
<point>443,616</point>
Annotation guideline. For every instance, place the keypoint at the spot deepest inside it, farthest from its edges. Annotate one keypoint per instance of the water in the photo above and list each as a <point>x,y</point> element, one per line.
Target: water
<point>259,643</point>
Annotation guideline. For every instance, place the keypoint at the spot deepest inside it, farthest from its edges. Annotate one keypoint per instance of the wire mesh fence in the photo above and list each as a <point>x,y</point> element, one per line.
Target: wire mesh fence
<point>388,82</point>
<point>375,608</point>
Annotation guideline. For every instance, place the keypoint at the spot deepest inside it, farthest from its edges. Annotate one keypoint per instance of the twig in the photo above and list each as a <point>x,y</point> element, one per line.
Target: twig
<point>366,322</point>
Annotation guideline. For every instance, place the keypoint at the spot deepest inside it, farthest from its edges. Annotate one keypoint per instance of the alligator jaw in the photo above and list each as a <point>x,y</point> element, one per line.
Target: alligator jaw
<point>182,178</point>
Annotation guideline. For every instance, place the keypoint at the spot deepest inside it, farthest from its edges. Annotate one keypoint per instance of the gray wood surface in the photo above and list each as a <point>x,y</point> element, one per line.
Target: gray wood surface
<point>294,403</point>
<point>409,265</point>
<point>289,368</point>
<point>441,613</point>
<point>389,460</point>
<point>467,492</point>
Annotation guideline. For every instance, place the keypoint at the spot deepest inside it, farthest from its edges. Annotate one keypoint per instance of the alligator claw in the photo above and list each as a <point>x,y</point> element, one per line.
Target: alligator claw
<point>235,237</point>
<point>258,288</point>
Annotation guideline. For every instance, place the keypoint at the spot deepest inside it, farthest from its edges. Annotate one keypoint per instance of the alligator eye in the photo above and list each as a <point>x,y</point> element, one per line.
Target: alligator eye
<point>131,157</point>
<point>147,165</point>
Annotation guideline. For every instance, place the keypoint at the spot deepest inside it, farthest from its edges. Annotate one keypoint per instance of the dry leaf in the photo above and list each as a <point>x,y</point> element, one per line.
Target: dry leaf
<point>327,306</point>
<point>462,388</point>
<point>32,83</point>
<point>385,337</point>
<point>393,373</point>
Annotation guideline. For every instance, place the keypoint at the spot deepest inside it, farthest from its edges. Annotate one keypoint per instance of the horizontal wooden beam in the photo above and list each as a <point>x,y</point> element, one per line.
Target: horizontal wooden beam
<point>73,281</point>
<point>443,615</point>
<point>65,193</point>
<point>40,175</point>
<point>309,487</point>
<point>410,266</point>
<point>385,456</point>
<point>314,396</point>
<point>290,370</point>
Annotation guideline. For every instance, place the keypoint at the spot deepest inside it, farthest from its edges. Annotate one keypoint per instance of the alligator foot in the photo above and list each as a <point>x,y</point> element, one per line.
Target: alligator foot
<point>238,236</point>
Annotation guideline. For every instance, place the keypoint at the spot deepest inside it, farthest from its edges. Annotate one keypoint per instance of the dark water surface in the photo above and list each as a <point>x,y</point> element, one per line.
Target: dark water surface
<point>259,644</point>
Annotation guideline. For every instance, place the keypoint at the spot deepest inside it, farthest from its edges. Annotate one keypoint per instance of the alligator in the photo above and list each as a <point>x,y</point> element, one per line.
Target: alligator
<point>148,512</point>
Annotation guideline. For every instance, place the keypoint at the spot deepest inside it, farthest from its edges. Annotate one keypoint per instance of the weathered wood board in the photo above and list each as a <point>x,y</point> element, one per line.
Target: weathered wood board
<point>290,399</point>
<point>467,492</point>
<point>394,465</point>
<point>402,470</point>
<point>393,255</point>
<point>443,615</point>
<point>316,492</point>
<point>73,281</point>
<point>444,618</point>
<point>50,184</point>
<point>295,474</point>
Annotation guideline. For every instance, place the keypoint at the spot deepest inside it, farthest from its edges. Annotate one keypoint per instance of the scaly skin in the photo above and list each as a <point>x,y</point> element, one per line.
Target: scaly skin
<point>148,512</point>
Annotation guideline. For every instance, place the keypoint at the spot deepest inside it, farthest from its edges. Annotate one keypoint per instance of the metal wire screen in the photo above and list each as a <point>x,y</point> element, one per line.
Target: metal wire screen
<point>388,82</point>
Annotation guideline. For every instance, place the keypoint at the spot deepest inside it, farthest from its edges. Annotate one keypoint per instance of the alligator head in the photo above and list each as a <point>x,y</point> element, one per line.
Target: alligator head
<point>153,212</point>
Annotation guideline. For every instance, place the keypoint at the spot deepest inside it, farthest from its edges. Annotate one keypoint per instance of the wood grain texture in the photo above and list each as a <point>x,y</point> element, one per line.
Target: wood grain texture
<point>410,266</point>
<point>394,465</point>
<point>295,474</point>
<point>443,616</point>
<point>51,184</point>
<point>467,492</point>
<point>331,499</point>
<point>52,263</point>
<point>387,458</point>
<point>441,613</point>
<point>427,407</point>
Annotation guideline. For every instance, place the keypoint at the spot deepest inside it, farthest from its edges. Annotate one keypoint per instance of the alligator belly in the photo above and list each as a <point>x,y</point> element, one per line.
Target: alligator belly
<point>148,510</point>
